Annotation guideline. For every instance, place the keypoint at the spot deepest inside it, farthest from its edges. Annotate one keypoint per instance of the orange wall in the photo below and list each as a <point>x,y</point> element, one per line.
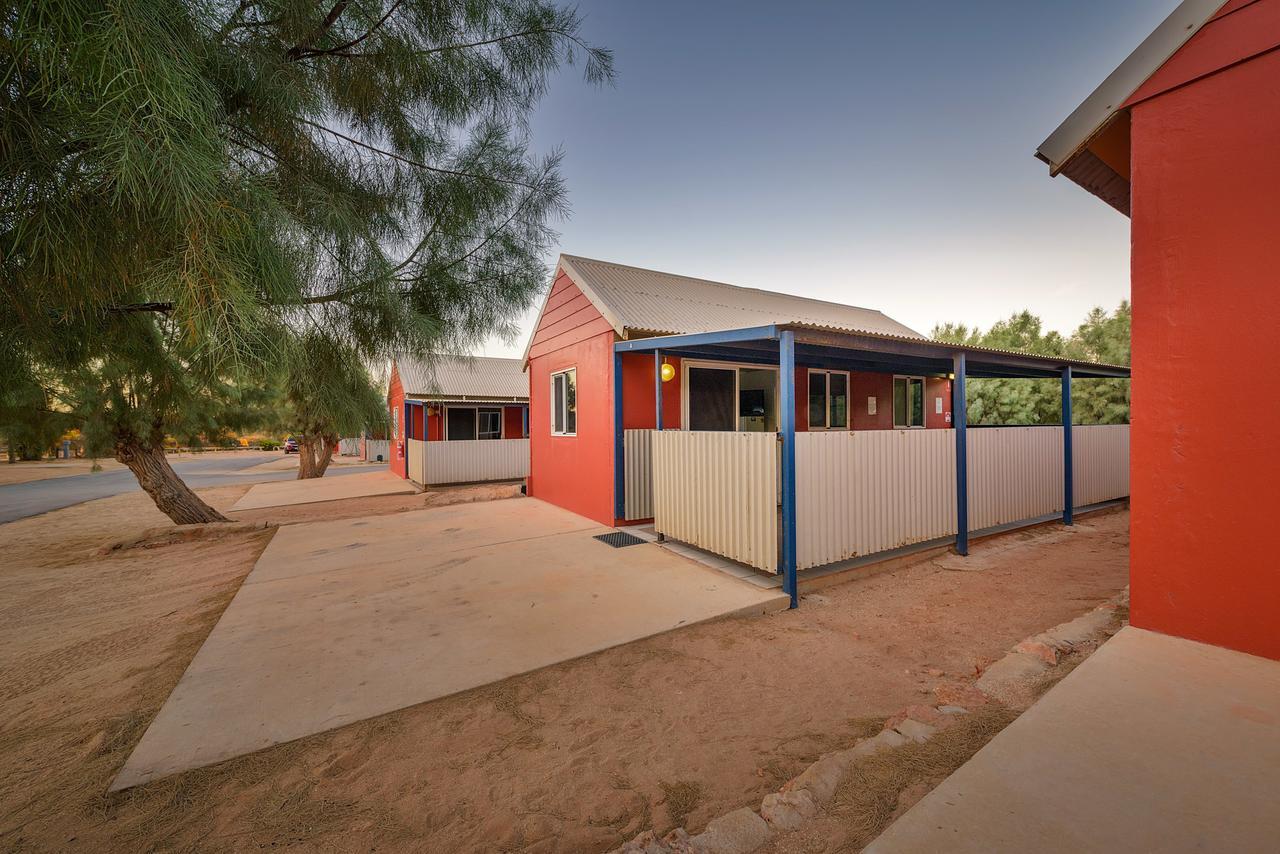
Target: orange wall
<point>395,410</point>
<point>1204,563</point>
<point>638,410</point>
<point>574,472</point>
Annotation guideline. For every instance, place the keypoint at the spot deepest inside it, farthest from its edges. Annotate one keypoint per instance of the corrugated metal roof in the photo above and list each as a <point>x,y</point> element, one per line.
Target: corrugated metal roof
<point>635,299</point>
<point>463,377</point>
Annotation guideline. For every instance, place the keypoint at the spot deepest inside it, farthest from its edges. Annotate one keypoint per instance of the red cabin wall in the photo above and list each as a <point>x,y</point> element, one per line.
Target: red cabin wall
<point>1204,258</point>
<point>934,388</point>
<point>513,422</point>
<point>638,409</point>
<point>574,472</point>
<point>395,412</point>
<point>435,424</point>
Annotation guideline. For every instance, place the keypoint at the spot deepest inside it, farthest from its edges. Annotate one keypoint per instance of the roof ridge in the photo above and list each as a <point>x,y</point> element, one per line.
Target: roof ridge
<point>724,284</point>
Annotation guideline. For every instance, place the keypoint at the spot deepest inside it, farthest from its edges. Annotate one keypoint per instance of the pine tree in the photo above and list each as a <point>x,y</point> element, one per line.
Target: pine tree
<point>197,191</point>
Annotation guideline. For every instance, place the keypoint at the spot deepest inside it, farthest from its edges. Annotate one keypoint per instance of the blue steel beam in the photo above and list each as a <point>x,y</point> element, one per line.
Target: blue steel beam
<point>960,422</point>
<point>619,472</point>
<point>787,368</point>
<point>670,342</point>
<point>404,431</point>
<point>657,389</point>
<point>1068,460</point>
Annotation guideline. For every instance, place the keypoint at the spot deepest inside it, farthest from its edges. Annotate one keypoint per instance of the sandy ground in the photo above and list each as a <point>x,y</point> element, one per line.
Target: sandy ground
<point>578,757</point>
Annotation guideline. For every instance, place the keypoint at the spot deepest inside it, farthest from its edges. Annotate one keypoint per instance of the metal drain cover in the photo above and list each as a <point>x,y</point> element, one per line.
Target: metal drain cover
<point>619,539</point>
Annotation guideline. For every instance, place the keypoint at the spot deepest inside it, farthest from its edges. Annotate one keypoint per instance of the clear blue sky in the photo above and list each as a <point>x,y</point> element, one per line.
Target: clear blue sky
<point>878,154</point>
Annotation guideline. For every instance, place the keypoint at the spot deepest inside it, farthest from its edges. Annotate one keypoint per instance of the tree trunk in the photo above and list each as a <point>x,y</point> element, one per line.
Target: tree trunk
<point>314,455</point>
<point>173,497</point>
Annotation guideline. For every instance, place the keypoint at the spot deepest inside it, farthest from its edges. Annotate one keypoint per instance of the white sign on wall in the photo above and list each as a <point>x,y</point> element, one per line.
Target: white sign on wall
<point>937,405</point>
<point>871,406</point>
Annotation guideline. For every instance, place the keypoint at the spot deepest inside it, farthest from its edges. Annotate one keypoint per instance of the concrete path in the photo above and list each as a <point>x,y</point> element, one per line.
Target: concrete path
<point>313,490</point>
<point>20,500</point>
<point>344,620</point>
<point>1154,743</point>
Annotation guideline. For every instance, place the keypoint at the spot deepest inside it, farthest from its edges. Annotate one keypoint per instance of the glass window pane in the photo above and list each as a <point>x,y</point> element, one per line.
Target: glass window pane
<point>460,424</point>
<point>838,407</point>
<point>490,424</point>
<point>899,402</point>
<point>557,403</point>
<point>711,403</point>
<point>917,403</point>
<point>757,400</point>
<point>817,399</point>
<point>571,401</point>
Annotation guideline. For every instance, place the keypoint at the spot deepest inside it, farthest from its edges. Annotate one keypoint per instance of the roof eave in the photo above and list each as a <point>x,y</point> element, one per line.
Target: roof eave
<point>1091,116</point>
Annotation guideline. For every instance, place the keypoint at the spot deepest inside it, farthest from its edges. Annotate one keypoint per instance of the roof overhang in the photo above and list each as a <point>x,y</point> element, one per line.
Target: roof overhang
<point>827,347</point>
<point>1091,146</point>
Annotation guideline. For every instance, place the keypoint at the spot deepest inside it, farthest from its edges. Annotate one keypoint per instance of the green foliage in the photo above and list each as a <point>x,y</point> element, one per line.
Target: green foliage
<point>197,194</point>
<point>270,445</point>
<point>1102,337</point>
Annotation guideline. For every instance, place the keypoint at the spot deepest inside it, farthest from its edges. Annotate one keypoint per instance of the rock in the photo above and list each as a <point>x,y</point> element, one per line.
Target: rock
<point>1041,650</point>
<point>676,840</point>
<point>924,714</point>
<point>933,671</point>
<point>1011,679</point>
<point>886,740</point>
<point>1083,629</point>
<point>822,778</point>
<point>915,730</point>
<point>953,710</point>
<point>959,694</point>
<point>645,843</point>
<point>788,810</point>
<point>738,832</point>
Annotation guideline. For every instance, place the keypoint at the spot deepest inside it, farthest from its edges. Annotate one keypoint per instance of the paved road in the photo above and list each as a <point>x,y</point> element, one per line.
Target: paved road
<point>19,500</point>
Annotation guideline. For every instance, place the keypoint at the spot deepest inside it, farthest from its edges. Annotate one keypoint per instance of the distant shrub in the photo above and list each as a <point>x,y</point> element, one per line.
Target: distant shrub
<point>270,445</point>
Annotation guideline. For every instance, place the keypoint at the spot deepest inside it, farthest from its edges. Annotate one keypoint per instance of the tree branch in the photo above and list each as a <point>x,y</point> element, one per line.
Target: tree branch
<point>297,50</point>
<point>416,163</point>
<point>342,48</point>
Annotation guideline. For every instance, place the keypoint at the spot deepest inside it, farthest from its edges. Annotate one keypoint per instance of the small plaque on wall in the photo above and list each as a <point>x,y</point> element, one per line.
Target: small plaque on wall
<point>871,406</point>
<point>937,405</point>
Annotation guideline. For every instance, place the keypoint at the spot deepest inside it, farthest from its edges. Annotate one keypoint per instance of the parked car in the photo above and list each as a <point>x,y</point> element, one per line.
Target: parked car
<point>291,445</point>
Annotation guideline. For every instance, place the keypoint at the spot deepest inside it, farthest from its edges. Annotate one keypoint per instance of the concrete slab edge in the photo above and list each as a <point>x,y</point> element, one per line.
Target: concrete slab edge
<point>746,830</point>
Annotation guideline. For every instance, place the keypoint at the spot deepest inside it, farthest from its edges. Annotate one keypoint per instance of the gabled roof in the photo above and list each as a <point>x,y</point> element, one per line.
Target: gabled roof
<point>1068,149</point>
<point>639,302</point>
<point>482,378</point>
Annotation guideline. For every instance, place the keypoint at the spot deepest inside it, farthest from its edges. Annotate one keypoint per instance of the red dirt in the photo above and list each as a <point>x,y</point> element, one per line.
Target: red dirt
<point>575,757</point>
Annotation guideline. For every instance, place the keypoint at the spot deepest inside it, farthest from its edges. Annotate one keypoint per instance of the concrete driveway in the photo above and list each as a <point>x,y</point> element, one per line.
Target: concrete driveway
<point>344,620</point>
<point>313,490</point>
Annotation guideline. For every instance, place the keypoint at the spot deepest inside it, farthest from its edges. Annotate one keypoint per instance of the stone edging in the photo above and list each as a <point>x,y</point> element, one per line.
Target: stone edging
<point>1008,680</point>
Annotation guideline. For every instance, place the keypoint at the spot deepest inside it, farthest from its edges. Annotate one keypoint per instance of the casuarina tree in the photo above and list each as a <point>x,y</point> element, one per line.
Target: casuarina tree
<point>197,191</point>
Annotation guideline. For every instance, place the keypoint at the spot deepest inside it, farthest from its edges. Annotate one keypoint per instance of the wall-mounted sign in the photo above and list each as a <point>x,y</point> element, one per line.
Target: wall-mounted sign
<point>937,405</point>
<point>871,406</point>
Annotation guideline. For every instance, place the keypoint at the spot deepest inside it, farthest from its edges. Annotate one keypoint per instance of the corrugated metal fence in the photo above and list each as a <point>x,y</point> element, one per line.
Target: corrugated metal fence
<point>377,450</point>
<point>717,491</point>
<point>1015,473</point>
<point>637,455</point>
<point>476,460</point>
<point>864,492</point>
<point>1101,470</point>
<point>416,450</point>
<point>348,447</point>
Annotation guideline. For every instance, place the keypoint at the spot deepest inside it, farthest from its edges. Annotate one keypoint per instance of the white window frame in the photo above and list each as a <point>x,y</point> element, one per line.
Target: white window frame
<point>552,413</point>
<point>475,421</point>
<point>502,422</point>
<point>924,396</point>
<point>685,364</point>
<point>826,400</point>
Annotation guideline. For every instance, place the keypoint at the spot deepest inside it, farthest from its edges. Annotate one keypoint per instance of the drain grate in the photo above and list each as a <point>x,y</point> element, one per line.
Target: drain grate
<point>619,539</point>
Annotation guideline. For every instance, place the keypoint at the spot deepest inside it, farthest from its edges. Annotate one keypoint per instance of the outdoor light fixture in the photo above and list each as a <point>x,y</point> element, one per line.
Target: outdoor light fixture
<point>668,372</point>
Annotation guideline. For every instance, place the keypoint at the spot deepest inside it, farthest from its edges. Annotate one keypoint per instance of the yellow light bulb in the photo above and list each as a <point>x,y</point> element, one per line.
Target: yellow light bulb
<point>668,372</point>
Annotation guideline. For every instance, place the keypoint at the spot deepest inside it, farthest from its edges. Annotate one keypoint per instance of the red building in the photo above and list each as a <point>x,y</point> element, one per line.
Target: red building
<point>593,304</point>
<point>458,419</point>
<point>1184,138</point>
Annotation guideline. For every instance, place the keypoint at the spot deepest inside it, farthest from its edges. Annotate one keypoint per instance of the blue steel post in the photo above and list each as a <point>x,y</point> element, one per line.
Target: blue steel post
<point>404,431</point>
<point>960,421</point>
<point>619,473</point>
<point>1068,462</point>
<point>787,368</point>
<point>524,421</point>
<point>657,389</point>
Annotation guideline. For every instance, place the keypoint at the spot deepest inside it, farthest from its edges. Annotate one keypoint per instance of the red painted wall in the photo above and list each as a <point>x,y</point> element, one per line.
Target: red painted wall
<point>435,426</point>
<point>638,410</point>
<point>395,410</point>
<point>934,388</point>
<point>1205,220</point>
<point>574,472</point>
<point>512,422</point>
